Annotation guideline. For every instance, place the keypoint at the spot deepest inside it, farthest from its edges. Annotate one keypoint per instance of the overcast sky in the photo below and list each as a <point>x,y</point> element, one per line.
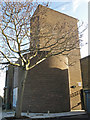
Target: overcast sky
<point>74,8</point>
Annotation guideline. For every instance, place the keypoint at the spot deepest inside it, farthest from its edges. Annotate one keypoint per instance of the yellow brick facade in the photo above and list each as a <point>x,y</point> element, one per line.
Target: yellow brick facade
<point>53,23</point>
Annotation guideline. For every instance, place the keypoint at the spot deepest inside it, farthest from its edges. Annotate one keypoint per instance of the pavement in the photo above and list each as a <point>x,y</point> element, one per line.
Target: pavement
<point>0,113</point>
<point>73,115</point>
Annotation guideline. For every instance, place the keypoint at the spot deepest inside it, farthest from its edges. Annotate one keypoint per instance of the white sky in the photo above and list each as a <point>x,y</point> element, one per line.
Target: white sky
<point>2,82</point>
<point>75,8</point>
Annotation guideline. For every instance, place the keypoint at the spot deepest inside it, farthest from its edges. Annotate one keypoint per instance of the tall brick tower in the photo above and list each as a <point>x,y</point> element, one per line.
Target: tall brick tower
<point>43,24</point>
<point>53,85</point>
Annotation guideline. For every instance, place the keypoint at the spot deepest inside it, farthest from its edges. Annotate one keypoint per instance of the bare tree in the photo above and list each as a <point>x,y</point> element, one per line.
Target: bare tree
<point>21,36</point>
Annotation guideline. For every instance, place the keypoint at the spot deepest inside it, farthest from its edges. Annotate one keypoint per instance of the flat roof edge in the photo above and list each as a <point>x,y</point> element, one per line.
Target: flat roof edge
<point>58,12</point>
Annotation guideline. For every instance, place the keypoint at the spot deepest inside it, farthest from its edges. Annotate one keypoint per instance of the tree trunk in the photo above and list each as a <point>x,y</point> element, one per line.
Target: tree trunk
<point>20,93</point>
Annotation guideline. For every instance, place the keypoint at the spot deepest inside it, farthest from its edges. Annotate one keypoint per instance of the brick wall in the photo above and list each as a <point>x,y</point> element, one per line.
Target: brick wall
<point>85,63</point>
<point>47,88</point>
<point>8,91</point>
<point>52,23</point>
<point>75,78</point>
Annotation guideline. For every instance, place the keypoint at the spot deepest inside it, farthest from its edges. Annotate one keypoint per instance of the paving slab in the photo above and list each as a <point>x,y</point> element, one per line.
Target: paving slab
<point>59,116</point>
